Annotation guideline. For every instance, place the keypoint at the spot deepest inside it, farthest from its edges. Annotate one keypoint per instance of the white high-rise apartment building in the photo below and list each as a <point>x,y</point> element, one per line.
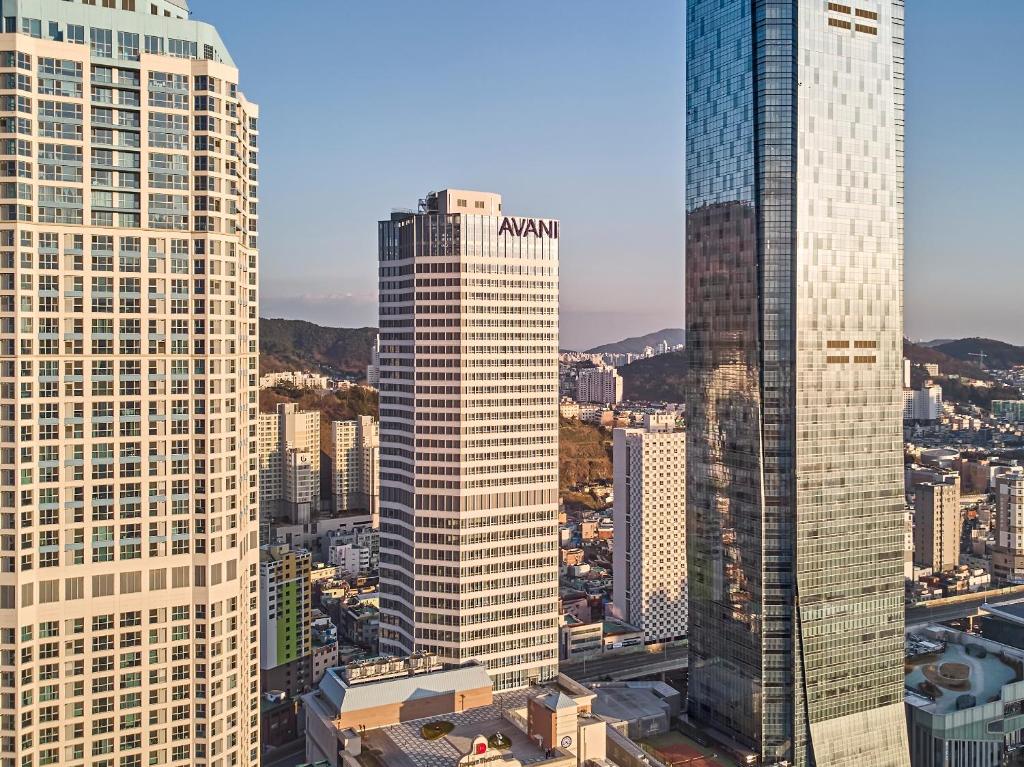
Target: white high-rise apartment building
<point>128,390</point>
<point>924,404</point>
<point>289,454</point>
<point>355,466</point>
<point>601,384</point>
<point>649,561</point>
<point>469,436</point>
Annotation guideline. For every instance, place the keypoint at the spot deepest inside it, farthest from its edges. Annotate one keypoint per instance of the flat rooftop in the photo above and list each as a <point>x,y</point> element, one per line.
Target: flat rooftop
<point>1013,611</point>
<point>628,703</point>
<point>939,681</point>
<point>402,745</point>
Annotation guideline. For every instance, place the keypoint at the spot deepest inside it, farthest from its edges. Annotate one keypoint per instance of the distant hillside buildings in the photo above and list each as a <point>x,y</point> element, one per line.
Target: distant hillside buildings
<point>601,385</point>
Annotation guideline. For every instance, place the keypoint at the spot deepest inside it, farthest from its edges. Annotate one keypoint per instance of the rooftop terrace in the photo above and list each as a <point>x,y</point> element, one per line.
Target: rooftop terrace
<point>964,673</point>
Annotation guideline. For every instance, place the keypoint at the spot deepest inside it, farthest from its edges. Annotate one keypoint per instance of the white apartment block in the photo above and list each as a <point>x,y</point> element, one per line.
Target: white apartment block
<point>649,554</point>
<point>924,404</point>
<point>469,436</point>
<point>352,560</point>
<point>298,379</point>
<point>128,390</point>
<point>289,460</point>
<point>602,385</point>
<point>354,453</point>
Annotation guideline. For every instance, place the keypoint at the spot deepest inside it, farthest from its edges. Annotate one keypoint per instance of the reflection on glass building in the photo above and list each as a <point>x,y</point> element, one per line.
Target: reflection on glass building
<point>794,315</point>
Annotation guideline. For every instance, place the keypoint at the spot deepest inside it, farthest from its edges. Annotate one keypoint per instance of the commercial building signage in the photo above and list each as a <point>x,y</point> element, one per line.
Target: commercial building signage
<point>521,227</point>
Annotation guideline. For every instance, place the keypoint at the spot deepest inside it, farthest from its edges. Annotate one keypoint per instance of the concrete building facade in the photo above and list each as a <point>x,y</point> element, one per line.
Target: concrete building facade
<point>289,445</point>
<point>649,560</point>
<point>1008,552</point>
<point>938,524</point>
<point>601,385</point>
<point>469,436</point>
<point>354,453</point>
<point>128,383</point>
<point>286,603</point>
<point>924,404</point>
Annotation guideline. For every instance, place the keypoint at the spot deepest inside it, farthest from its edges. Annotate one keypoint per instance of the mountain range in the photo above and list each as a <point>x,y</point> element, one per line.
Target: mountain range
<point>300,345</point>
<point>637,344</point>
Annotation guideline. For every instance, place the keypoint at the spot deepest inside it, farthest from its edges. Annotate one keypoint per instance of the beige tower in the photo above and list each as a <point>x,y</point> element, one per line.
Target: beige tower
<point>938,523</point>
<point>469,436</point>
<point>128,367</point>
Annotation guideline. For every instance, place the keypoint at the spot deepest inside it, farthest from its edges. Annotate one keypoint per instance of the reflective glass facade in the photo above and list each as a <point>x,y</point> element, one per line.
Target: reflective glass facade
<point>794,331</point>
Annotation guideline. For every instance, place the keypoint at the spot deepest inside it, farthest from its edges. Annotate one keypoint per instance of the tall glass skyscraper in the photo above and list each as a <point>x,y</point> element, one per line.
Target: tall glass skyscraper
<point>128,390</point>
<point>794,280</point>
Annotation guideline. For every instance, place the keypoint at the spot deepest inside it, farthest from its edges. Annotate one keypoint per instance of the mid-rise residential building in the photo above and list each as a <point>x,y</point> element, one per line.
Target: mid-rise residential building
<point>350,559</point>
<point>601,385</point>
<point>794,340</point>
<point>1008,551</point>
<point>354,454</point>
<point>285,619</point>
<point>938,524</point>
<point>649,561</point>
<point>469,436</point>
<point>289,445</point>
<point>924,404</point>
<point>128,387</point>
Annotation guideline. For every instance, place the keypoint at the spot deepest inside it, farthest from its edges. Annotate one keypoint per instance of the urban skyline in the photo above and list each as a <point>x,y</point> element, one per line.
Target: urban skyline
<point>612,138</point>
<point>793,540</point>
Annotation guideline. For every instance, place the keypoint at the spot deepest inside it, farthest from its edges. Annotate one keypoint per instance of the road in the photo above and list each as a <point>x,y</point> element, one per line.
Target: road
<point>627,666</point>
<point>940,611</point>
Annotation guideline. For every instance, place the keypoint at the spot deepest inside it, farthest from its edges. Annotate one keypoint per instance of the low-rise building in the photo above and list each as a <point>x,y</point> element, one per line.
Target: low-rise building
<point>297,379</point>
<point>964,699</point>
<point>568,408</point>
<point>579,640</point>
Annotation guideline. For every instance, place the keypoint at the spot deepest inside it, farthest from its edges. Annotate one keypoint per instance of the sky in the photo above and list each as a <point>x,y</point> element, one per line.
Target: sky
<point>575,110</point>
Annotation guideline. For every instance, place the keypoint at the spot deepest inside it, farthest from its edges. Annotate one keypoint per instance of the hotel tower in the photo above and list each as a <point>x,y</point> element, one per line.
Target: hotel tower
<point>128,363</point>
<point>469,436</point>
<point>794,281</point>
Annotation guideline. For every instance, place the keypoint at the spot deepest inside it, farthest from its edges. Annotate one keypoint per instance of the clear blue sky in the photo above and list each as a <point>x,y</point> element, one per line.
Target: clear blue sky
<point>574,109</point>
